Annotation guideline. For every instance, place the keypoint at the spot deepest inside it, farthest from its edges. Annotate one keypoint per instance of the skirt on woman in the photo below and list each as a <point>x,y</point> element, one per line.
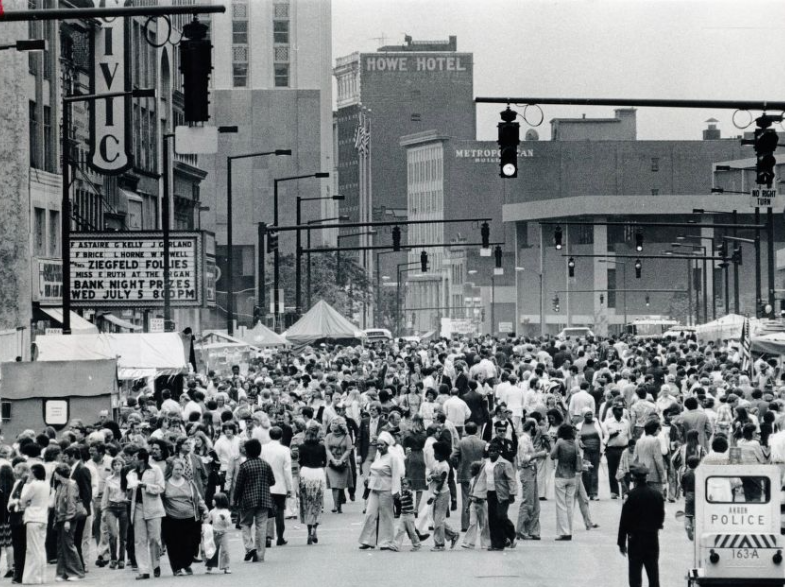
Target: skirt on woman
<point>415,470</point>
<point>312,483</point>
<point>5,535</point>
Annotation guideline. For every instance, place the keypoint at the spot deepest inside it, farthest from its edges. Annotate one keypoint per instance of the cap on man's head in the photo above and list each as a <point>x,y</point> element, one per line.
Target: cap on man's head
<point>638,470</point>
<point>500,424</point>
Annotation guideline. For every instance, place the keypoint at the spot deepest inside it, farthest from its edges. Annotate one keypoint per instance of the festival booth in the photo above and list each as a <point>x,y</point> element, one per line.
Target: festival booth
<point>160,358</point>
<point>323,323</point>
<point>40,394</point>
<point>726,328</point>
<point>218,351</point>
<point>771,344</point>
<point>263,337</point>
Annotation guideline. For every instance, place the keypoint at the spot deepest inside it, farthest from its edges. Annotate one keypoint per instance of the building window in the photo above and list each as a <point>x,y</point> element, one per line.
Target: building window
<point>282,54</point>
<point>240,75</point>
<point>611,288</point>
<point>39,232</point>
<point>240,32</point>
<point>281,31</point>
<point>239,10</point>
<point>6,411</point>
<point>49,141</point>
<point>282,76</point>
<point>655,163</point>
<point>281,10</point>
<point>655,192</point>
<point>35,160</point>
<point>416,117</point>
<point>54,233</point>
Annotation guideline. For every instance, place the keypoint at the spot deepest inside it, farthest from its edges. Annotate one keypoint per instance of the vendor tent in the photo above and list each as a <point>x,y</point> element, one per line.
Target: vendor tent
<point>51,393</point>
<point>262,336</point>
<point>218,337</point>
<point>726,328</point>
<point>773,344</point>
<point>322,322</point>
<point>138,355</point>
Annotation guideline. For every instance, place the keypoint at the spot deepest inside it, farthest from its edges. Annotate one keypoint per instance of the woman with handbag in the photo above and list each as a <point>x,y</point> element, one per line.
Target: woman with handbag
<point>339,449</point>
<point>69,564</point>
<point>182,529</point>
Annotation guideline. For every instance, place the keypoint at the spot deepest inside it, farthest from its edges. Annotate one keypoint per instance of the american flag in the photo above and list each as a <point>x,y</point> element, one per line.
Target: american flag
<point>744,342</point>
<point>362,136</point>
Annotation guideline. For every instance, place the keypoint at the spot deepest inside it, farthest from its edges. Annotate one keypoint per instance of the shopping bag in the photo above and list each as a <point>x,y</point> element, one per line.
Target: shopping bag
<point>208,541</point>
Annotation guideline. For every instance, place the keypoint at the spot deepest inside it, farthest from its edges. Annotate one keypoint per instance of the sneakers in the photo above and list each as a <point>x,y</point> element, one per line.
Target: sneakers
<point>227,571</point>
<point>178,573</point>
<point>437,549</point>
<point>416,548</point>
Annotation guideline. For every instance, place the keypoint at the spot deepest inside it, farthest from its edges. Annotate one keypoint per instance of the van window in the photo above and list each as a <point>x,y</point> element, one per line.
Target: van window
<point>748,489</point>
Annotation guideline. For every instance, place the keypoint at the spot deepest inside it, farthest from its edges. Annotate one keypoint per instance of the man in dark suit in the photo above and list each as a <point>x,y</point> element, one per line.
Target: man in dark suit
<point>74,458</point>
<point>252,495</point>
<point>642,517</point>
<point>477,405</point>
<point>470,449</point>
<point>461,378</point>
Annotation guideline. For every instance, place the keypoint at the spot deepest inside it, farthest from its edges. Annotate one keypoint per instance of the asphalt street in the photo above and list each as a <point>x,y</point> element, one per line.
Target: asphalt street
<point>590,559</point>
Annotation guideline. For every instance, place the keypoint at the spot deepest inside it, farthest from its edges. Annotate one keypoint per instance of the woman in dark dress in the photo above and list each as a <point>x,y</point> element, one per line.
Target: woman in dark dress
<point>413,444</point>
<point>313,459</point>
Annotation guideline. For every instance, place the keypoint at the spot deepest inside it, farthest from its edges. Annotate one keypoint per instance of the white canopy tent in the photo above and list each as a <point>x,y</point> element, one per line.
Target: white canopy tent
<point>727,327</point>
<point>138,355</point>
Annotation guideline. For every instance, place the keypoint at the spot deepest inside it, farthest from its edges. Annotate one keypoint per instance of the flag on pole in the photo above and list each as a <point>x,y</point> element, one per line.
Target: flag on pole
<point>746,354</point>
<point>362,136</point>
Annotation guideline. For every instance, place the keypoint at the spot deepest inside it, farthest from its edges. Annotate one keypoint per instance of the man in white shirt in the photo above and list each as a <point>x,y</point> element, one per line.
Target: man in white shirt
<point>514,399</point>
<point>193,406</point>
<point>169,406</point>
<point>457,411</point>
<point>579,400</point>
<point>100,466</point>
<point>280,459</point>
<point>227,449</point>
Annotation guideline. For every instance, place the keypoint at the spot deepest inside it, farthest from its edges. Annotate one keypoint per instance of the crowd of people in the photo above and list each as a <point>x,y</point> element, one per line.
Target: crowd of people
<point>435,439</point>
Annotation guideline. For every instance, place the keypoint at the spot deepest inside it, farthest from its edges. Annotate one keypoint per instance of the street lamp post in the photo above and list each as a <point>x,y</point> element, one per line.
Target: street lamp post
<point>65,214</point>
<point>702,248</point>
<point>298,248</point>
<point>624,285</point>
<point>276,253</point>
<point>229,229</point>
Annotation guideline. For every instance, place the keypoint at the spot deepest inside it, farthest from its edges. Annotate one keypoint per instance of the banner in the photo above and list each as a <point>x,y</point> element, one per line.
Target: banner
<point>48,282</point>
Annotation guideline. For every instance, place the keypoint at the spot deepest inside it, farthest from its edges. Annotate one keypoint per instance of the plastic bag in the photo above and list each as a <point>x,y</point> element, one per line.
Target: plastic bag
<point>208,541</point>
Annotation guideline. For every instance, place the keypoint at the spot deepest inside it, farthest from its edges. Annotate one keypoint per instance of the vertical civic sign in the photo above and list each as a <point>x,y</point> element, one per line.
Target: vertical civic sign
<point>110,118</point>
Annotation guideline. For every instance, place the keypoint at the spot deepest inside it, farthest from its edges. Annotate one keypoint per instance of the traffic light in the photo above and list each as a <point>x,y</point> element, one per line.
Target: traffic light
<point>571,267</point>
<point>723,250</point>
<point>257,314</point>
<point>485,234</point>
<point>424,262</point>
<point>737,254</point>
<point>638,267</point>
<point>639,241</point>
<point>648,300</point>
<point>498,254</point>
<point>556,303</point>
<point>396,236</point>
<point>557,238</point>
<point>765,145</point>
<point>196,65</point>
<point>509,139</point>
<point>272,241</point>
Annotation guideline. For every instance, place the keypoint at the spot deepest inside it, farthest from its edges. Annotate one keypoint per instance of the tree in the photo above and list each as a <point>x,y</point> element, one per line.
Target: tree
<point>356,286</point>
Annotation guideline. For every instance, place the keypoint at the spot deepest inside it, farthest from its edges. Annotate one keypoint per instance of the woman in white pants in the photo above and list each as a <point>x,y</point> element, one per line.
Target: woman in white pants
<point>35,501</point>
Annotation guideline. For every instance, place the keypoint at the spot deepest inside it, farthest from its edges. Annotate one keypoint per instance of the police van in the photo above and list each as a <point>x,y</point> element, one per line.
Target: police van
<point>737,526</point>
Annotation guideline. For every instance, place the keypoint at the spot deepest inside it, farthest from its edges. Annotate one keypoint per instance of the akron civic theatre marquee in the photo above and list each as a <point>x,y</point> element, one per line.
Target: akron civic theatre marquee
<point>127,269</point>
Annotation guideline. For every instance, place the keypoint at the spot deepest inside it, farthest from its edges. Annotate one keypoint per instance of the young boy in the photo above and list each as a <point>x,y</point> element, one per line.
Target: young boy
<point>688,488</point>
<point>407,516</point>
<point>623,475</point>
<point>478,509</point>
